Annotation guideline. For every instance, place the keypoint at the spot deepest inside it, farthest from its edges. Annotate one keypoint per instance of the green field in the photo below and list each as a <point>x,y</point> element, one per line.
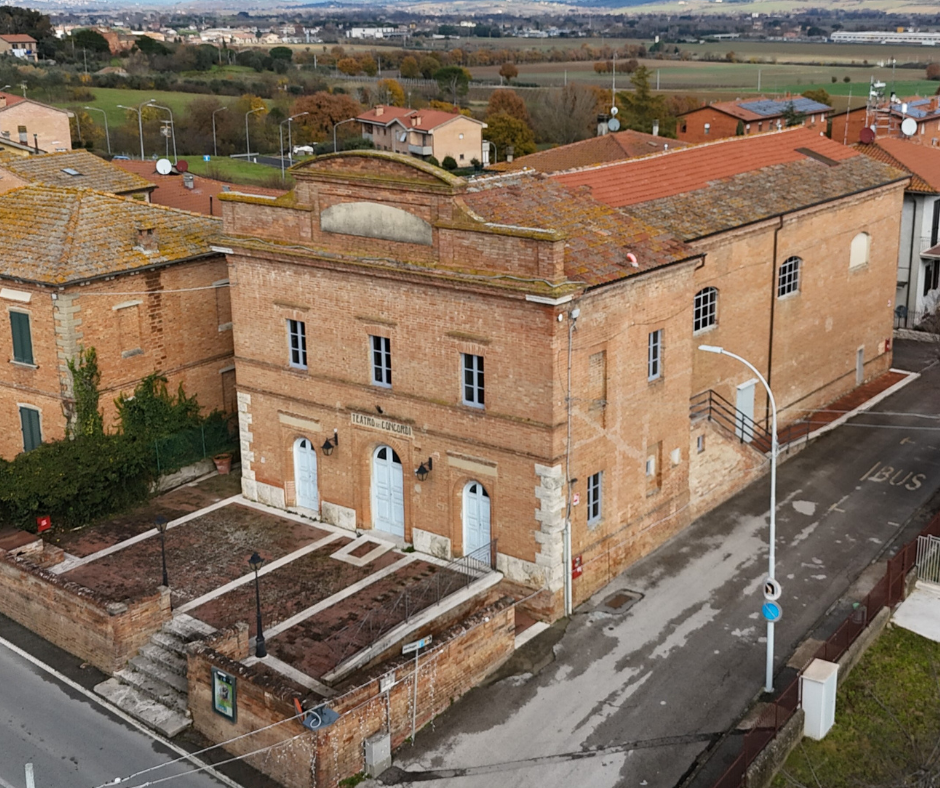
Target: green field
<point>238,171</point>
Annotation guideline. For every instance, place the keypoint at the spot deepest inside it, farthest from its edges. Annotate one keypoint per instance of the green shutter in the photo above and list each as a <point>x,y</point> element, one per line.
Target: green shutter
<point>22,339</point>
<point>32,437</point>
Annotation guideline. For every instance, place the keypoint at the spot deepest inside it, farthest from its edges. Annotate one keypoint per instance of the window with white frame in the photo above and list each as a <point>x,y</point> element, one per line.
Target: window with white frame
<point>594,494</point>
<point>297,332</point>
<point>859,250</point>
<point>654,361</point>
<point>472,380</point>
<point>381,361</point>
<point>705,312</point>
<point>788,279</point>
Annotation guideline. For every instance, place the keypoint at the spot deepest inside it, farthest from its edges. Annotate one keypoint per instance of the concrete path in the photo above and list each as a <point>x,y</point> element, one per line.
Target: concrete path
<point>630,699</point>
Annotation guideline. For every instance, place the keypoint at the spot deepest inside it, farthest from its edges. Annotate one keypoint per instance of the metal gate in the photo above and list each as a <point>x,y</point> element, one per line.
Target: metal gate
<point>928,559</point>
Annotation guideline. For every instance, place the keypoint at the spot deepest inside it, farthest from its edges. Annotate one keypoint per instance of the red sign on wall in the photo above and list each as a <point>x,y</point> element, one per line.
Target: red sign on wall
<point>577,568</point>
<point>43,523</point>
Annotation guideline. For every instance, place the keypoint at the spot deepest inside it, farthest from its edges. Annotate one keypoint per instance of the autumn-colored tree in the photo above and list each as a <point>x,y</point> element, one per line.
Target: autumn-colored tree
<point>428,65</point>
<point>933,71</point>
<point>511,103</point>
<point>820,95</point>
<point>508,71</point>
<point>409,68</point>
<point>389,91</point>
<point>446,106</point>
<point>504,130</point>
<point>368,65</point>
<point>324,110</point>
<point>603,67</point>
<point>457,56</point>
<point>349,66</point>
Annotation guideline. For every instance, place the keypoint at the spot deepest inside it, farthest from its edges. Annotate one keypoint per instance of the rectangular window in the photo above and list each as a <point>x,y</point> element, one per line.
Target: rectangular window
<point>654,468</point>
<point>297,330</point>
<point>472,380</point>
<point>29,421</point>
<point>654,362</point>
<point>381,361</point>
<point>594,498</point>
<point>22,338</point>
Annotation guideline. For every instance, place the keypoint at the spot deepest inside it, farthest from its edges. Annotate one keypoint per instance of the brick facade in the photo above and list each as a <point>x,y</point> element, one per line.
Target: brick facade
<point>692,125</point>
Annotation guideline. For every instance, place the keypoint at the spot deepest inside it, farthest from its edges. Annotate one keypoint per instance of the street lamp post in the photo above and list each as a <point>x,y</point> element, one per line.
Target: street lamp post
<point>336,126</point>
<point>256,562</point>
<point>247,138</point>
<point>290,138</point>
<point>215,147</point>
<point>161,524</point>
<point>774,448</point>
<point>107,134</point>
<point>140,122</point>
<point>172,127</point>
<point>280,132</point>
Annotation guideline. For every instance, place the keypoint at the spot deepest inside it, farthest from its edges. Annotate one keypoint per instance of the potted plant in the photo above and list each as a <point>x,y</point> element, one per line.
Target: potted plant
<point>223,462</point>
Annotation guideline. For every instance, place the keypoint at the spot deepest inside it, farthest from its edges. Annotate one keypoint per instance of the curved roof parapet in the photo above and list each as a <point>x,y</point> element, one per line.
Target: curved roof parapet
<point>315,166</point>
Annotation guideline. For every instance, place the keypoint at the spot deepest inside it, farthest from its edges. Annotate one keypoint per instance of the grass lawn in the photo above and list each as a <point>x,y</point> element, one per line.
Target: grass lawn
<point>238,171</point>
<point>887,722</point>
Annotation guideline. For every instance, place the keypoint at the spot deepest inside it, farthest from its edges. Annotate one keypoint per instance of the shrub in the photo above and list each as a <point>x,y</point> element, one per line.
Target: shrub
<point>153,412</point>
<point>434,161</point>
<point>449,163</point>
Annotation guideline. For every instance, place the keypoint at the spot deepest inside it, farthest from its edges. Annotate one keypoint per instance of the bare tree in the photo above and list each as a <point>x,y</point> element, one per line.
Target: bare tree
<point>564,115</point>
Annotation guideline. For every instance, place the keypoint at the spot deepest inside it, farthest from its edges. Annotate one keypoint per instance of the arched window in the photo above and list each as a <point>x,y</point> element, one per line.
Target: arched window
<point>705,313</point>
<point>858,255</point>
<point>788,280</point>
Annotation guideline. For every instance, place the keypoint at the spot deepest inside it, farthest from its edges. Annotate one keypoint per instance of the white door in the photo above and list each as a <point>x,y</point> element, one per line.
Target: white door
<point>859,366</point>
<point>388,498</point>
<point>744,405</point>
<point>305,474</point>
<point>476,517</point>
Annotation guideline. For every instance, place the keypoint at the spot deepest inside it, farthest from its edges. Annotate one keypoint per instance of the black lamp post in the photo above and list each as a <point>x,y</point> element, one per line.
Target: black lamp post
<point>161,524</point>
<point>256,562</point>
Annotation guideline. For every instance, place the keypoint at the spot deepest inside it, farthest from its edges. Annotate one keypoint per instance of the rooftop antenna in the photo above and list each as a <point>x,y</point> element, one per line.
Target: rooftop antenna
<point>613,83</point>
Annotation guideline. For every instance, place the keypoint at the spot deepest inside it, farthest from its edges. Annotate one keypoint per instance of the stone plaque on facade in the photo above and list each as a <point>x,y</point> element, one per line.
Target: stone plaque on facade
<point>380,424</point>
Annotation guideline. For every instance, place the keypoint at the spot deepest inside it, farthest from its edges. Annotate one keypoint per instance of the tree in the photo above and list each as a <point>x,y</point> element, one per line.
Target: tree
<point>91,40</point>
<point>389,91</point>
<point>149,46</point>
<point>790,116</point>
<point>282,53</point>
<point>820,95</point>
<point>739,129</point>
<point>349,66</point>
<point>509,102</point>
<point>409,68</point>
<point>504,130</point>
<point>933,71</point>
<point>324,110</point>
<point>564,115</point>
<point>368,65</point>
<point>454,81</point>
<point>640,107</point>
<point>428,66</point>
<point>508,71</point>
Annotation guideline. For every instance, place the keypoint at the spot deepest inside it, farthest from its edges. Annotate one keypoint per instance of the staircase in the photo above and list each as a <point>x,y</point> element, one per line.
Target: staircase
<point>153,688</point>
<point>712,406</point>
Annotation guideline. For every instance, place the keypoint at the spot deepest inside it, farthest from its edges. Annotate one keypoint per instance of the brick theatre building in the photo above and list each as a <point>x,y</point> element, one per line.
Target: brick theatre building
<point>454,363</point>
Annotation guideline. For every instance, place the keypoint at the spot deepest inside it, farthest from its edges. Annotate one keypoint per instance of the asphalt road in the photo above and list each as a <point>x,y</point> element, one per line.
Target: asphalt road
<point>70,739</point>
<point>630,699</point>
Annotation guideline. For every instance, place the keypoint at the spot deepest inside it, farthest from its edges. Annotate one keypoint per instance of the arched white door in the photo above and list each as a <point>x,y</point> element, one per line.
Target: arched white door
<point>476,517</point>
<point>305,474</point>
<point>388,497</point>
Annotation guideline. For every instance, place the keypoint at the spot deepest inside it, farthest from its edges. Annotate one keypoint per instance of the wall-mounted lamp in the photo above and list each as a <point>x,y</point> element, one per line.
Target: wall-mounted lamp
<point>330,443</point>
<point>424,469</point>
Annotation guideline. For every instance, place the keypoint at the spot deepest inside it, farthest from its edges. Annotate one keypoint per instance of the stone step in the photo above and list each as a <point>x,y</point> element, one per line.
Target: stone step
<point>168,722</point>
<point>160,672</point>
<point>169,658</point>
<point>170,643</point>
<point>187,628</point>
<point>154,689</point>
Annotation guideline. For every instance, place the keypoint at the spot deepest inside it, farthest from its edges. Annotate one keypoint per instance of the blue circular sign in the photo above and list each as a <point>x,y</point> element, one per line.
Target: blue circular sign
<point>771,611</point>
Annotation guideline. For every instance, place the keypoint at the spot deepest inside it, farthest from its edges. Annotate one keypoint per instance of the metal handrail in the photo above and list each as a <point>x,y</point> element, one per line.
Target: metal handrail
<point>711,405</point>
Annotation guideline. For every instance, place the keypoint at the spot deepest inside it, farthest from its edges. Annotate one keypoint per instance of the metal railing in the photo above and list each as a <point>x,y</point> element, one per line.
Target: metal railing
<point>448,579</point>
<point>919,319</point>
<point>180,449</point>
<point>712,406</point>
<point>928,559</point>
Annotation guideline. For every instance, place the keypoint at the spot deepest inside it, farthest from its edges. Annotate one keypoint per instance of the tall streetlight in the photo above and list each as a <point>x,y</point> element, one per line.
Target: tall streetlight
<point>247,138</point>
<point>280,131</point>
<point>336,126</point>
<point>256,562</point>
<point>107,134</point>
<point>140,122</point>
<point>161,524</point>
<point>774,449</point>
<point>172,126</point>
<point>290,138</point>
<point>215,147</point>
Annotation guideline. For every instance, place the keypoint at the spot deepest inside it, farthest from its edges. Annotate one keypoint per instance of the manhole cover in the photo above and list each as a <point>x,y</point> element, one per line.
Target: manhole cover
<point>622,601</point>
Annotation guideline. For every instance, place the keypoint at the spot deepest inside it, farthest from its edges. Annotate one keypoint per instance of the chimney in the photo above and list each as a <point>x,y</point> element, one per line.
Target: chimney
<point>36,143</point>
<point>3,100</point>
<point>655,128</point>
<point>416,120</point>
<point>146,238</point>
<point>379,110</point>
<point>189,180</point>
<point>510,152</point>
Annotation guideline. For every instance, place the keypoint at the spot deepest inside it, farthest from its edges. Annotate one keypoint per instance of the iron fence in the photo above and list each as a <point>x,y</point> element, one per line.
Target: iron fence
<point>448,579</point>
<point>188,446</point>
<point>928,558</point>
<point>711,405</point>
<point>921,320</point>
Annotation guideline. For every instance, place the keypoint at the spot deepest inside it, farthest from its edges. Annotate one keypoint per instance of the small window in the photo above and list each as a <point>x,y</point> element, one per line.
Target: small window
<point>32,432</point>
<point>654,468</point>
<point>708,128</point>
<point>700,444</point>
<point>71,171</point>
<point>297,331</point>
<point>858,254</point>
<point>705,313</point>
<point>381,361</point>
<point>22,338</point>
<point>654,363</point>
<point>788,280</point>
<point>594,498</point>
<point>472,380</point>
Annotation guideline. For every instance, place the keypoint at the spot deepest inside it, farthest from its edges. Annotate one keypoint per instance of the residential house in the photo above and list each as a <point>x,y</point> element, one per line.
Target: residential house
<point>468,367</point>
<point>918,288</point>
<point>425,133</point>
<point>19,45</point>
<point>31,123</point>
<point>139,283</point>
<point>72,169</point>
<point>753,116</point>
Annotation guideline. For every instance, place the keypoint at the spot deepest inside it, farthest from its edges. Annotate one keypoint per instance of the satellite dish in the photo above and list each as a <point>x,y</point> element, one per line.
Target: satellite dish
<point>866,136</point>
<point>614,110</point>
<point>164,167</point>
<point>182,166</point>
<point>613,124</point>
<point>909,127</point>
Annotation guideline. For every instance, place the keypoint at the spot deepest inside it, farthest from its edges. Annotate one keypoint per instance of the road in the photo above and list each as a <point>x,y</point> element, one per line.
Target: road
<point>70,739</point>
<point>630,699</point>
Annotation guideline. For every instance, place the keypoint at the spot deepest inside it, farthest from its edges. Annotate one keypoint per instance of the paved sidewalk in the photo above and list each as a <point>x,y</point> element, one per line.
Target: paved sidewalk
<point>630,699</point>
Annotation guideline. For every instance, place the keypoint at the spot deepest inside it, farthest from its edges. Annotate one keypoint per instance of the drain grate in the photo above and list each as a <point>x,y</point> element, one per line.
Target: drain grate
<point>622,601</point>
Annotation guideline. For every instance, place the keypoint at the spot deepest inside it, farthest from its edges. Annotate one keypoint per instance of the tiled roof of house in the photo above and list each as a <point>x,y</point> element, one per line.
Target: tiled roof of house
<point>762,194</point>
<point>762,109</point>
<point>56,235</point>
<point>388,114</point>
<point>18,38</point>
<point>76,169</point>
<point>922,161</point>
<point>596,150</point>
<point>688,169</point>
<point>599,238</point>
<point>429,118</point>
<point>11,99</point>
<point>171,192</point>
